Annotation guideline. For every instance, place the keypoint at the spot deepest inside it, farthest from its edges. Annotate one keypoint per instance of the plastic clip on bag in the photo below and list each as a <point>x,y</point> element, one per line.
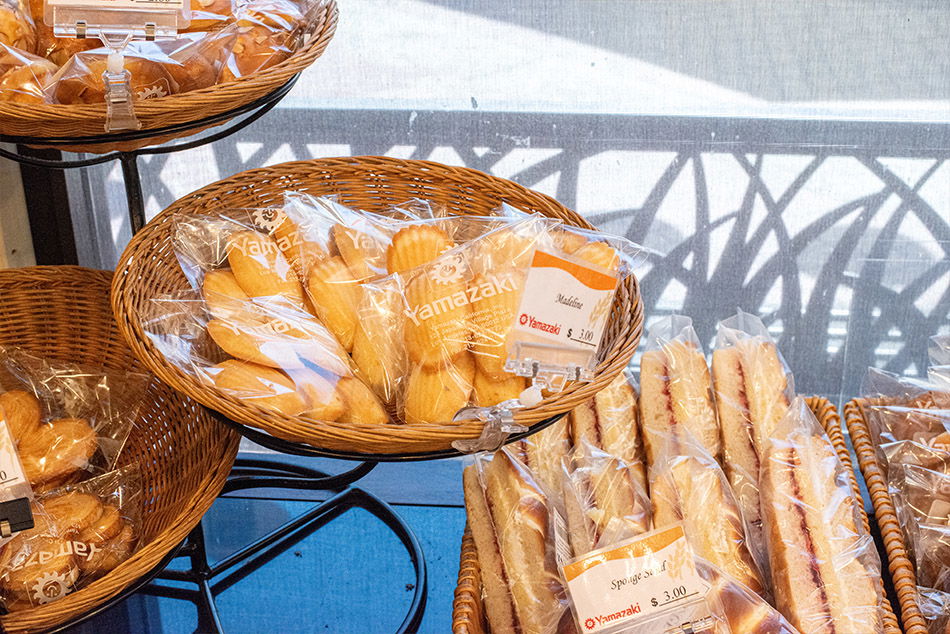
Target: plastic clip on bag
<point>826,574</point>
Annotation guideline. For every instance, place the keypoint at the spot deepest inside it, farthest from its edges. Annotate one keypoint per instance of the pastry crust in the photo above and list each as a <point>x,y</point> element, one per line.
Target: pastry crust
<point>260,385</point>
<point>21,411</point>
<point>261,269</point>
<point>335,293</point>
<point>414,246</point>
<point>57,450</point>
<point>434,396</point>
<point>490,391</point>
<point>437,328</point>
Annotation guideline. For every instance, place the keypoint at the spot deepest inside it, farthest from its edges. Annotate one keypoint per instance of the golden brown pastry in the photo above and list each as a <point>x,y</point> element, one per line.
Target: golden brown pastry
<point>261,269</point>
<point>191,70</point>
<point>335,293</point>
<point>260,385</point>
<point>490,391</point>
<point>24,84</point>
<point>543,452</point>
<point>493,316</point>
<point>16,30</point>
<point>323,396</point>
<point>435,395</point>
<point>437,328</point>
<point>820,585</point>
<point>222,294</point>
<point>58,50</point>
<point>21,411</point>
<point>208,15</point>
<point>253,49</point>
<point>414,246</point>
<point>675,395</point>
<point>73,511</point>
<point>108,525</point>
<point>599,254</point>
<point>81,81</point>
<point>362,253</point>
<point>508,517</point>
<point>380,363</point>
<point>110,553</point>
<point>57,450</point>
<point>361,405</point>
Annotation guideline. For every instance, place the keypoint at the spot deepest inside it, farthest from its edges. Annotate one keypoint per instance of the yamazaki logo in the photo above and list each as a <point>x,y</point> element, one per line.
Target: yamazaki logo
<point>531,322</point>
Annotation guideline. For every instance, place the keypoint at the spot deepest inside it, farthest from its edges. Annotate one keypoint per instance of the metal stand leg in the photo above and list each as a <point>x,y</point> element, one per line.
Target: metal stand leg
<point>133,190</point>
<point>213,578</point>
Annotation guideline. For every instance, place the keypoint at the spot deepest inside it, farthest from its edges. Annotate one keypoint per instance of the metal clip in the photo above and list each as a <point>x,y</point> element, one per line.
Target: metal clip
<point>150,31</point>
<point>5,529</point>
<point>81,29</point>
<point>697,626</point>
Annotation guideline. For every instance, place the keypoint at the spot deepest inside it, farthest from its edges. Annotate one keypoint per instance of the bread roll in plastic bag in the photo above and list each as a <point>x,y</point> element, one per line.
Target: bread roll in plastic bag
<point>23,76</point>
<point>69,421</point>
<point>210,15</point>
<point>514,530</point>
<point>688,486</point>
<point>902,408</point>
<point>921,498</point>
<point>735,609</point>
<point>81,532</point>
<point>675,387</point>
<point>753,388</point>
<point>16,29</point>
<point>56,49</point>
<point>826,574</point>
<point>545,452</point>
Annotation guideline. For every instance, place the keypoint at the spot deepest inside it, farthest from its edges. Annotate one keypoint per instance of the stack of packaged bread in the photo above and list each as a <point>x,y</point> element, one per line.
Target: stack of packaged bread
<point>226,40</point>
<point>731,455</point>
<point>66,425</point>
<point>909,421</point>
<point>329,313</point>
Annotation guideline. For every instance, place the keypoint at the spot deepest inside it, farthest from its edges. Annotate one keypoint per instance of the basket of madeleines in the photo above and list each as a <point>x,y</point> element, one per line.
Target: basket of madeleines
<point>232,53</point>
<point>357,304</point>
<point>122,467</point>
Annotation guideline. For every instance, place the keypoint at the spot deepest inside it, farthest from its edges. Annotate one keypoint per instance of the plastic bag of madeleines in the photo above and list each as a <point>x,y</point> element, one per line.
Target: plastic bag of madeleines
<point>69,421</point>
<point>80,533</point>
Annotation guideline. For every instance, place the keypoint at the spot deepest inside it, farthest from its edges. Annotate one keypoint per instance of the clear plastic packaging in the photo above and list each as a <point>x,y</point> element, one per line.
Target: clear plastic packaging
<point>69,421</point>
<point>80,533</point>
<point>753,387</point>
<point>914,409</point>
<point>16,29</point>
<point>676,389</point>
<point>511,520</point>
<point>23,76</point>
<point>687,485</point>
<point>826,574</point>
<point>935,608</point>
<point>921,498</point>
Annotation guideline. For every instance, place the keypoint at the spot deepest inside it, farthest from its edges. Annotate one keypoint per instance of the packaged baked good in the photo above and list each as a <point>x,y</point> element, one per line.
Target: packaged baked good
<point>80,533</point>
<point>23,76</point>
<point>676,389</point>
<point>80,79</point>
<point>210,15</point>
<point>903,408</point>
<point>826,574</point>
<point>921,499</point>
<point>510,517</point>
<point>688,486</point>
<point>16,29</point>
<point>736,609</point>
<point>753,388</point>
<point>58,50</point>
<point>935,608</point>
<point>69,421</point>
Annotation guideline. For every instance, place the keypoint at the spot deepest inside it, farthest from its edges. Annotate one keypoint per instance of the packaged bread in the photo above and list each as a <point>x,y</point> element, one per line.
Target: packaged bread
<point>826,574</point>
<point>16,29</point>
<point>69,421</point>
<point>25,83</point>
<point>56,49</point>
<point>903,408</point>
<point>675,388</point>
<point>935,608</point>
<point>509,516</point>
<point>921,498</point>
<point>210,15</point>
<point>687,485</point>
<point>545,452</point>
<point>81,532</point>
<point>80,79</point>
<point>753,388</point>
<point>736,609</point>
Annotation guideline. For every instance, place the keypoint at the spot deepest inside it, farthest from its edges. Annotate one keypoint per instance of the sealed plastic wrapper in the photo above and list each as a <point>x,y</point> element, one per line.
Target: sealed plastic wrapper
<point>935,608</point>
<point>56,49</point>
<point>209,15</point>
<point>23,76</point>
<point>911,409</point>
<point>675,388</point>
<point>753,388</point>
<point>688,486</point>
<point>69,421</point>
<point>603,500</point>
<point>826,574</point>
<point>738,610</point>
<point>80,79</point>
<point>939,350</point>
<point>80,533</point>
<point>16,29</point>
<point>921,498</point>
<point>511,521</point>
<point>545,452</point>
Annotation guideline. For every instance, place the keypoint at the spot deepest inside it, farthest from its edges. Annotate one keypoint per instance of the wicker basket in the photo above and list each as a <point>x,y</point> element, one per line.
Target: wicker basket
<point>185,456</point>
<point>148,268</point>
<point>68,121</point>
<point>901,567</point>
<point>467,611</point>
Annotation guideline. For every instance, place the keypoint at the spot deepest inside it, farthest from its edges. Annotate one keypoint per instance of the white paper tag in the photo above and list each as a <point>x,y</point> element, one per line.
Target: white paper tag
<point>650,576</point>
<point>13,482</point>
<point>562,313</point>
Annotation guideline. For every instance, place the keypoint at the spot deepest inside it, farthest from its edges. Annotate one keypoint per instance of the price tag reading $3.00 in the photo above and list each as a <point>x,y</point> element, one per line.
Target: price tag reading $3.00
<point>643,577</point>
<point>563,310</point>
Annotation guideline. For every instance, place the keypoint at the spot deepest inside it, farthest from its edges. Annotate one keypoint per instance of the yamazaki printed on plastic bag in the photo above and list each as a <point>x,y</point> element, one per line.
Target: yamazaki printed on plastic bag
<point>80,533</point>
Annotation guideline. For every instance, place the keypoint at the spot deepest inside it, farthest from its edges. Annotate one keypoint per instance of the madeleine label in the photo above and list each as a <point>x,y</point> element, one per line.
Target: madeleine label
<point>643,577</point>
<point>564,305</point>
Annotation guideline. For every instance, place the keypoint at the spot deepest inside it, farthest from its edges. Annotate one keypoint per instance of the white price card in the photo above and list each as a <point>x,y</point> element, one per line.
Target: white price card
<point>562,314</point>
<point>13,482</point>
<point>634,581</point>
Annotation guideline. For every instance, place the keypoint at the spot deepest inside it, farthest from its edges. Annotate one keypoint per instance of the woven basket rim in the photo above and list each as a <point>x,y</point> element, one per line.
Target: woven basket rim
<point>232,94</point>
<point>872,471</point>
<point>467,605</point>
<point>360,437</point>
<point>149,554</point>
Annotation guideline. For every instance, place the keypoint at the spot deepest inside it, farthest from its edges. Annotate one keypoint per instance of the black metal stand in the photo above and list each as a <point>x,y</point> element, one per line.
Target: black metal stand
<point>212,578</point>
